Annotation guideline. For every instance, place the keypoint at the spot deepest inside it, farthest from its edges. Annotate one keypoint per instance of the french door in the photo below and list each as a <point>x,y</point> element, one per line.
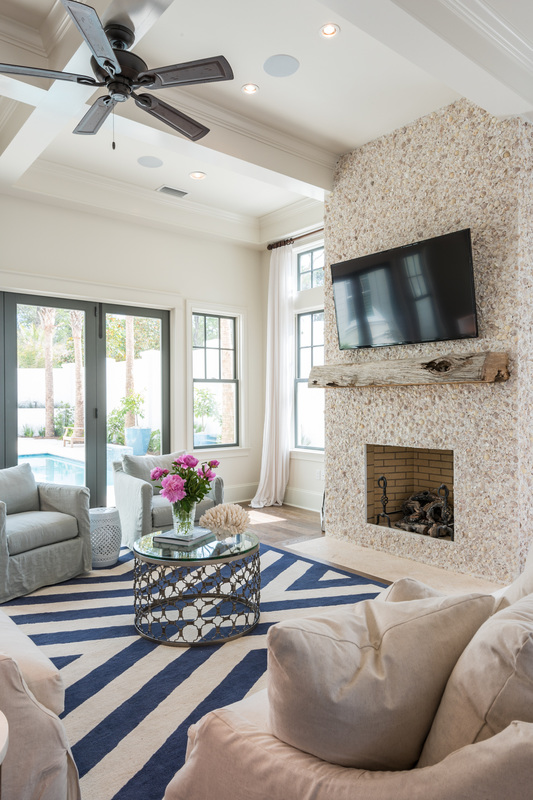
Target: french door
<point>82,383</point>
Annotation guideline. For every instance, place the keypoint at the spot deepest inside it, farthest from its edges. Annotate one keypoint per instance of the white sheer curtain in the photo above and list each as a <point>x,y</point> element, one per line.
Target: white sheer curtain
<point>279,382</point>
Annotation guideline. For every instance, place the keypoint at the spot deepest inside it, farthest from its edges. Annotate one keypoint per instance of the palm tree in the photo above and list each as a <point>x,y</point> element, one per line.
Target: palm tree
<point>129,419</point>
<point>47,318</point>
<point>76,323</point>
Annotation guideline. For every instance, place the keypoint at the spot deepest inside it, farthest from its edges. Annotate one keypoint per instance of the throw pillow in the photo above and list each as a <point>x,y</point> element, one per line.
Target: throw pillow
<point>361,686</point>
<point>521,587</point>
<point>18,489</point>
<point>491,685</point>
<point>407,589</point>
<point>141,466</point>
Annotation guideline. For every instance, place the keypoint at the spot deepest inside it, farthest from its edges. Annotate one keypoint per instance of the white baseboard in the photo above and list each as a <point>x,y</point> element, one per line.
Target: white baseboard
<point>239,493</point>
<point>302,498</point>
<point>299,498</point>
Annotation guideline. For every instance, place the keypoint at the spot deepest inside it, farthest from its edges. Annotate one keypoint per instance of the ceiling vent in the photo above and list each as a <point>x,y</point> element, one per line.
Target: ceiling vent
<point>171,191</point>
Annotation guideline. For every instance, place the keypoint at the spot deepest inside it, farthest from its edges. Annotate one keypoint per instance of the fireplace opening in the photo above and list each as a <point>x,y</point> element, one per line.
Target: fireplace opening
<point>411,489</point>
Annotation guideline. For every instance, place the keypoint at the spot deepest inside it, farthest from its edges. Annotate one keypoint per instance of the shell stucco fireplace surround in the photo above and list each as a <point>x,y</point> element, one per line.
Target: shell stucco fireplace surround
<point>456,168</point>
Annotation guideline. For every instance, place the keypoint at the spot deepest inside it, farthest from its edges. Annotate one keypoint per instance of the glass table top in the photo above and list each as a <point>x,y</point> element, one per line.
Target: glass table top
<point>208,550</point>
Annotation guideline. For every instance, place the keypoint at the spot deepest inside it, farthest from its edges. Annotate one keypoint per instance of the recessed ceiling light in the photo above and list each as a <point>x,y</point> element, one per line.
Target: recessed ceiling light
<point>281,65</point>
<point>250,88</point>
<point>149,161</point>
<point>197,176</point>
<point>329,30</point>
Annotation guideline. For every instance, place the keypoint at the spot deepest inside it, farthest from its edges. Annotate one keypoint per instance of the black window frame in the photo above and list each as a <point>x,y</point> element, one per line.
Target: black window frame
<point>298,380</point>
<point>311,251</point>
<point>234,381</point>
<point>95,379</point>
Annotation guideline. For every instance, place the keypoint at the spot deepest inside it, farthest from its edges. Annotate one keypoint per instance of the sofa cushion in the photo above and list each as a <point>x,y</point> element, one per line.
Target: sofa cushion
<point>141,466</point>
<point>490,686</point>
<point>42,677</point>
<point>360,687</point>
<point>407,589</point>
<point>232,755</point>
<point>18,489</point>
<point>521,587</point>
<point>33,529</point>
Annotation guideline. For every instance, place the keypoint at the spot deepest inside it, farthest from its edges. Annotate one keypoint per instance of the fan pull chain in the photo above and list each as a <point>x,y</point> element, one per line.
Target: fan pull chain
<point>113,145</point>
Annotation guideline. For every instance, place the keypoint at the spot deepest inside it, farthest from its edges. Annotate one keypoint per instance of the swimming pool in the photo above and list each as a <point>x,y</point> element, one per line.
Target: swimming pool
<point>55,469</point>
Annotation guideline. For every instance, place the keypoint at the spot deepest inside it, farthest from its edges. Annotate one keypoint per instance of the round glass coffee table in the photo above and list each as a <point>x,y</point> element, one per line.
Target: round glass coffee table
<point>206,595</point>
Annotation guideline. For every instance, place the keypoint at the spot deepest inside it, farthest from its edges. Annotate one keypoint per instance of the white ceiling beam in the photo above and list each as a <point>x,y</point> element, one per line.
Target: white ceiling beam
<point>271,158</point>
<point>56,106</point>
<point>443,42</point>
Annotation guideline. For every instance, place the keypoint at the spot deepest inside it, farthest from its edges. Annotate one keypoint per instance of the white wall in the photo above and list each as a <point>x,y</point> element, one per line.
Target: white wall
<point>66,253</point>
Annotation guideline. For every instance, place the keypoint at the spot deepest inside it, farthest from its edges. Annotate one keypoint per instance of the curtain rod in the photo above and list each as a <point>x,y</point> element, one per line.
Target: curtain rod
<point>294,239</point>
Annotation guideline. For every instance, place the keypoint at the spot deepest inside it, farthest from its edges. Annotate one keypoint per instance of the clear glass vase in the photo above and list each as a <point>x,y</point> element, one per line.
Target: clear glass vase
<point>183,520</point>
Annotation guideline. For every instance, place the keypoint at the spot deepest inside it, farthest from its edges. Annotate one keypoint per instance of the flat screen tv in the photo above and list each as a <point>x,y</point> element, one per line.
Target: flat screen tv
<point>421,292</point>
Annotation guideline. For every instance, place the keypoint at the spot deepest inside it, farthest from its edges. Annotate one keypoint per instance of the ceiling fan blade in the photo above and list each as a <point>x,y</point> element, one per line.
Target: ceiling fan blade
<point>171,116</point>
<point>96,116</point>
<point>204,70</point>
<point>88,23</point>
<point>14,69</point>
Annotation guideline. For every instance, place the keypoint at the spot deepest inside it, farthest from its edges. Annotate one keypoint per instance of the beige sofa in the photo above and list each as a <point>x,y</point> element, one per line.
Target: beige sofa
<point>38,764</point>
<point>141,508</point>
<point>411,696</point>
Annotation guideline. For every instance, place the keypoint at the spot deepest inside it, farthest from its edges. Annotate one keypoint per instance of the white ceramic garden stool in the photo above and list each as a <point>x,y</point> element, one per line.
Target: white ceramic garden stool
<point>106,536</point>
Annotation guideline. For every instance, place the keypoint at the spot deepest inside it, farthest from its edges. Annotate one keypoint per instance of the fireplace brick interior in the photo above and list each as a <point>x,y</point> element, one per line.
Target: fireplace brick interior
<point>407,470</point>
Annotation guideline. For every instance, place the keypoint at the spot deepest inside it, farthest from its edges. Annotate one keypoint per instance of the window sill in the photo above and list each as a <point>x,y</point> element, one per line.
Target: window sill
<point>218,452</point>
<point>306,455</point>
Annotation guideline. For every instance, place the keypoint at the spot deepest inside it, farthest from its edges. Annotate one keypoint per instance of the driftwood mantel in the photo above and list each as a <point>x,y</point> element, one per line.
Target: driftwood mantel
<point>451,368</point>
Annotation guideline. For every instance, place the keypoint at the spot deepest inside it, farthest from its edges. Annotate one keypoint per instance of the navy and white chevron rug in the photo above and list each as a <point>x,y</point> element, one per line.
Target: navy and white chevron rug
<point>129,702</point>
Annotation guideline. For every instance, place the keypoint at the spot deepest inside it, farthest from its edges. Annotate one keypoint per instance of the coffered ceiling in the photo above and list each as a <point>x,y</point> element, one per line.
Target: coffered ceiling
<point>269,157</point>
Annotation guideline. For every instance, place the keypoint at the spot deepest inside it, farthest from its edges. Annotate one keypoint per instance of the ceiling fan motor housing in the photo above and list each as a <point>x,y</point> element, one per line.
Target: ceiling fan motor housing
<point>120,85</point>
<point>120,37</point>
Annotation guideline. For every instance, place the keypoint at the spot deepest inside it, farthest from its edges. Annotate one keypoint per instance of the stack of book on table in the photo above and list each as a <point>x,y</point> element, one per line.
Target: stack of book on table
<point>176,542</point>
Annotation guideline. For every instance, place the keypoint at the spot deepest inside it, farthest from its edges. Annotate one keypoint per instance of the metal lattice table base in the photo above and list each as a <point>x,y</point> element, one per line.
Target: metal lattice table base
<point>196,604</point>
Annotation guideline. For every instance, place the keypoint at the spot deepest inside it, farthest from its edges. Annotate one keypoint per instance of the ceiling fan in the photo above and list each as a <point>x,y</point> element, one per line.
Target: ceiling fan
<point>122,72</point>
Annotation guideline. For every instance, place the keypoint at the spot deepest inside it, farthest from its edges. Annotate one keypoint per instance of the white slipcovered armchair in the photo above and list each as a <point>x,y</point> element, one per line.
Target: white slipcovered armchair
<point>141,508</point>
<point>44,532</point>
<point>38,762</point>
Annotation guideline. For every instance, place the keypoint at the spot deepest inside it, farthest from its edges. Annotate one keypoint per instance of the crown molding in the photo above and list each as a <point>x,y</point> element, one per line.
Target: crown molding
<point>55,27</point>
<point>7,109</point>
<point>497,30</point>
<point>23,37</point>
<point>292,220</point>
<point>215,116</point>
<point>48,168</point>
<point>110,197</point>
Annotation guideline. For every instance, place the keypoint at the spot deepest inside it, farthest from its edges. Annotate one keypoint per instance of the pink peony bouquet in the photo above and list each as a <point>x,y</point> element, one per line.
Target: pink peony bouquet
<point>185,482</point>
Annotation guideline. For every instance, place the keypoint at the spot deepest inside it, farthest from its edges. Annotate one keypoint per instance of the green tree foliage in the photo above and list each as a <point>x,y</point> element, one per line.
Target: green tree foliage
<point>147,336</point>
<point>30,351</point>
<point>205,406</point>
<point>116,418</point>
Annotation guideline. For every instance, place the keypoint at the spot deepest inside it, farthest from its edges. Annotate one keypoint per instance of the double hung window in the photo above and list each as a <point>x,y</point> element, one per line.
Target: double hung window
<point>311,268</point>
<point>215,384</point>
<point>309,403</point>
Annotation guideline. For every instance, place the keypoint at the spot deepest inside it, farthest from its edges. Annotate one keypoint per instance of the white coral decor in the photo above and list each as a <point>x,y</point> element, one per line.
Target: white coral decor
<point>225,520</point>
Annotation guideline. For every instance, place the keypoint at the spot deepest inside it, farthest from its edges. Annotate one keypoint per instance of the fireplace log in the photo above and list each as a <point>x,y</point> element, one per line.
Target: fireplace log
<point>451,368</point>
<point>413,527</point>
<point>438,531</point>
<point>437,512</point>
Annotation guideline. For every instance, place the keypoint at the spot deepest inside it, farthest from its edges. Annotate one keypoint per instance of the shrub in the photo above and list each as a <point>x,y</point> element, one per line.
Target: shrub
<point>63,418</point>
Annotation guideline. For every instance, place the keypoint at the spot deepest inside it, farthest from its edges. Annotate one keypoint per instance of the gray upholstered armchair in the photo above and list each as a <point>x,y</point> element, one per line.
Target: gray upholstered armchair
<point>44,532</point>
<point>141,508</point>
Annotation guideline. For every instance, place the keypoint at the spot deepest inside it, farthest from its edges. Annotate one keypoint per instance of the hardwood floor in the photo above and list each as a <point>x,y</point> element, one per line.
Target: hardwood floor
<point>283,525</point>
